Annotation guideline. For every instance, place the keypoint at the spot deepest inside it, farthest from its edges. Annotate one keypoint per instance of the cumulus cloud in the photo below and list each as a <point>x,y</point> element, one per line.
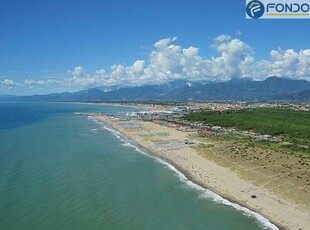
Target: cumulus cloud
<point>8,86</point>
<point>235,59</point>
<point>282,63</point>
<point>168,61</point>
<point>33,82</point>
<point>8,82</point>
<point>233,55</point>
<point>290,63</point>
<point>78,72</point>
<point>81,79</point>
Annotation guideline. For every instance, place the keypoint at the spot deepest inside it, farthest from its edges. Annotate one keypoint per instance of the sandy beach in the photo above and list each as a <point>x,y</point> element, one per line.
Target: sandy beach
<point>169,144</point>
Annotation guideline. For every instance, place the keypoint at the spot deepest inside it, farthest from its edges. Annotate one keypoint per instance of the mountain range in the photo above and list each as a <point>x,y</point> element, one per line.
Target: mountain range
<point>244,89</point>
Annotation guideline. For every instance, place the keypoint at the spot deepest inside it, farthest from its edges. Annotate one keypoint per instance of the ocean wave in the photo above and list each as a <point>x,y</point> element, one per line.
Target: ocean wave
<point>205,193</point>
<point>95,131</point>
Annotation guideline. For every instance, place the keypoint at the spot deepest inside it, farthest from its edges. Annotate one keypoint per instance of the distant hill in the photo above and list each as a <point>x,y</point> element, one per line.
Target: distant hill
<point>240,89</point>
<point>139,93</point>
<point>245,89</point>
<point>303,96</point>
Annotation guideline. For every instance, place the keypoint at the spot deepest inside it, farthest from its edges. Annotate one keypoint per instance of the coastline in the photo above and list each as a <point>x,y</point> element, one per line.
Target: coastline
<point>216,178</point>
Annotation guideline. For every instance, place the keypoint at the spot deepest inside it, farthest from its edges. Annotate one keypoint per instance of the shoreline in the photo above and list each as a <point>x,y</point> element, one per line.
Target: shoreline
<point>271,207</point>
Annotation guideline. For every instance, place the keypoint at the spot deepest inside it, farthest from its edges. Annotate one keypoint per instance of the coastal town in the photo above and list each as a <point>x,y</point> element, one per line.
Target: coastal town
<point>221,106</point>
<point>170,116</point>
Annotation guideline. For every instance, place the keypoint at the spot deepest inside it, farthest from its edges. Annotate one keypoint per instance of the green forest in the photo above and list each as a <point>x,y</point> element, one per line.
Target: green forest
<point>293,125</point>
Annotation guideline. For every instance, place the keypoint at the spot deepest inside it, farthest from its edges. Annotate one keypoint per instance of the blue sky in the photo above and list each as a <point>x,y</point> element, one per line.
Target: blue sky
<point>54,46</point>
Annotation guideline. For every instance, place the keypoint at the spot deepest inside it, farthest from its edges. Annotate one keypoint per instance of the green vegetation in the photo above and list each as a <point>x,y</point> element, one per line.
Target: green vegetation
<point>293,125</point>
<point>263,144</point>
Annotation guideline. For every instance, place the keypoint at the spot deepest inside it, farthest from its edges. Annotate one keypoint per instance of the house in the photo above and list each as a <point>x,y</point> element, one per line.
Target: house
<point>216,128</point>
<point>206,132</point>
<point>279,138</point>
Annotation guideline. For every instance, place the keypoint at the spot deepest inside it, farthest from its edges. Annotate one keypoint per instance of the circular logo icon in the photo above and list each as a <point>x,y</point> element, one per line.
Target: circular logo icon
<point>255,9</point>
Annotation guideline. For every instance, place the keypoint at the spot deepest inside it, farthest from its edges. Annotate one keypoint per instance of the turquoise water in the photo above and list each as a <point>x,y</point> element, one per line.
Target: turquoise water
<point>59,170</point>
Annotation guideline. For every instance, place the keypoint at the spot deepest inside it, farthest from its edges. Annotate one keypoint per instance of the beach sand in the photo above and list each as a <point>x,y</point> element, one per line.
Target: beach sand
<point>168,143</point>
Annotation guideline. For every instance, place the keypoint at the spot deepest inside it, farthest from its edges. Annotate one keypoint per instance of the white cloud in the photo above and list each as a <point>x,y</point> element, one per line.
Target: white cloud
<point>169,61</point>
<point>233,54</point>
<point>8,82</point>
<point>163,43</point>
<point>101,73</point>
<point>8,86</point>
<point>222,38</point>
<point>282,63</point>
<point>303,66</point>
<point>290,63</point>
<point>33,82</point>
<point>80,79</point>
<point>78,72</point>
<point>53,81</point>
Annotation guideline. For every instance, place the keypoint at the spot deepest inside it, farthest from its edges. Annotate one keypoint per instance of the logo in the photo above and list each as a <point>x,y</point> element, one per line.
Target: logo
<point>276,9</point>
<point>255,9</point>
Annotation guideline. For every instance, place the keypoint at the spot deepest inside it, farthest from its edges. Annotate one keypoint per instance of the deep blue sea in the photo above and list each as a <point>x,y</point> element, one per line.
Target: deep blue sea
<point>60,170</point>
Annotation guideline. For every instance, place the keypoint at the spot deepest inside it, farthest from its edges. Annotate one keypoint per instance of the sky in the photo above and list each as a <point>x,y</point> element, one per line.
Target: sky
<point>49,46</point>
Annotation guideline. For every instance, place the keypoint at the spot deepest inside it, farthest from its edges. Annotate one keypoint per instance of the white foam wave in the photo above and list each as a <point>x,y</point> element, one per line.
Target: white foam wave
<point>93,119</point>
<point>94,131</point>
<point>205,193</point>
<point>130,145</point>
<point>115,133</point>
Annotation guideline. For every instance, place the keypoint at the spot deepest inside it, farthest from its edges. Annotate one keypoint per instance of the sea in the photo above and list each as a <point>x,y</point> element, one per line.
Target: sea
<point>63,170</point>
